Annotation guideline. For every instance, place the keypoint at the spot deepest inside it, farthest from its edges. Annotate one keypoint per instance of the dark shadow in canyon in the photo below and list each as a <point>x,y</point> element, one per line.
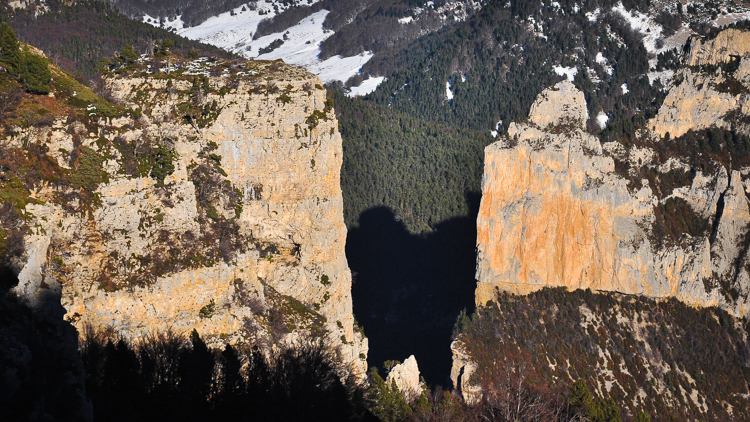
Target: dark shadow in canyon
<point>409,289</point>
<point>41,373</point>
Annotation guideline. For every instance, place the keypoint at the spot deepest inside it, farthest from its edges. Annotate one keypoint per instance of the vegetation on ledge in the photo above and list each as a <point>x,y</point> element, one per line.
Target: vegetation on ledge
<point>663,358</point>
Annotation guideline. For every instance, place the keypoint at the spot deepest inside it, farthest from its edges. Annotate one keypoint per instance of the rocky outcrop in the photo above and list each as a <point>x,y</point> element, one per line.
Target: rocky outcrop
<point>461,371</point>
<point>215,205</point>
<point>721,49</point>
<point>714,91</point>
<point>554,212</point>
<point>406,377</point>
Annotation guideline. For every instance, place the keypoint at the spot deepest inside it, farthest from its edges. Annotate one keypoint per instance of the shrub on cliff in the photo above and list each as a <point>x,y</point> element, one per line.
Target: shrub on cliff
<point>35,75</point>
<point>31,70</point>
<point>605,339</point>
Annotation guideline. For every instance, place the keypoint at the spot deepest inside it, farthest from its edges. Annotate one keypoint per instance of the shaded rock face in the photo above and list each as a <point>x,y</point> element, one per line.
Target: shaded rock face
<point>555,213</point>
<point>242,240</point>
<point>713,91</point>
<point>406,377</point>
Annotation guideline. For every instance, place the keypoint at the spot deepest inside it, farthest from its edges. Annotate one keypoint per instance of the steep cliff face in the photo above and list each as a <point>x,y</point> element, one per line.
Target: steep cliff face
<point>210,200</point>
<point>555,212</point>
<point>713,90</point>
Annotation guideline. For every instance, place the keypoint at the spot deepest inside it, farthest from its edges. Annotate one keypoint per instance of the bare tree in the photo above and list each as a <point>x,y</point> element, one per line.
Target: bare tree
<point>510,398</point>
<point>9,101</point>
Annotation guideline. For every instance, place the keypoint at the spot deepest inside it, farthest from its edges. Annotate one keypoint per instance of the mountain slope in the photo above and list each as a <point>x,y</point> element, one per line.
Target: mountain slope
<point>665,358</point>
<point>77,36</point>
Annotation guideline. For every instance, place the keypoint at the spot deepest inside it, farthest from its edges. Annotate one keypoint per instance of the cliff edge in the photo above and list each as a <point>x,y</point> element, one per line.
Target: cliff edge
<point>203,195</point>
<point>555,211</point>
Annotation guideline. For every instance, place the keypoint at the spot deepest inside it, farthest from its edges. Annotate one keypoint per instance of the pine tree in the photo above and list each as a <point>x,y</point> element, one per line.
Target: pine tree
<point>10,54</point>
<point>386,401</point>
<point>35,74</point>
<point>128,55</point>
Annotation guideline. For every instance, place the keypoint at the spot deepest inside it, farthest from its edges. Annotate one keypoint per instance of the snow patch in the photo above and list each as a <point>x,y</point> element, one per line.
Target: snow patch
<point>366,87</point>
<point>498,125</point>
<point>730,18</point>
<point>174,25</point>
<point>605,63</point>
<point>593,16</point>
<point>664,77</point>
<point>642,23</point>
<point>569,72</point>
<point>624,88</point>
<point>448,92</point>
<point>602,119</point>
<point>339,68</point>
<point>406,20</point>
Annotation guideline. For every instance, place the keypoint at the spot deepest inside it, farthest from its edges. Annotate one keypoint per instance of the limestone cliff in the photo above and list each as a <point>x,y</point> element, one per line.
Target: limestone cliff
<point>406,377</point>
<point>208,198</point>
<point>712,90</point>
<point>555,212</point>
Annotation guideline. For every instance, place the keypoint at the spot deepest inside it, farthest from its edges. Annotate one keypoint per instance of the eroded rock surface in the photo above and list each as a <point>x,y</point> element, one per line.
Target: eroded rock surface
<point>241,239</point>
<point>406,377</point>
<point>555,212</point>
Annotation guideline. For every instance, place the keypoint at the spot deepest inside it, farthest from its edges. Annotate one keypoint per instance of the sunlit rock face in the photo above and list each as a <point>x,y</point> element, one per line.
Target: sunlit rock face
<point>555,213</point>
<point>244,238</point>
<point>407,379</point>
<point>712,90</point>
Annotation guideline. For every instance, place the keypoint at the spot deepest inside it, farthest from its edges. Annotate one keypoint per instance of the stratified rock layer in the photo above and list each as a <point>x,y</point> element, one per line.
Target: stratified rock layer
<point>275,155</point>
<point>555,213</point>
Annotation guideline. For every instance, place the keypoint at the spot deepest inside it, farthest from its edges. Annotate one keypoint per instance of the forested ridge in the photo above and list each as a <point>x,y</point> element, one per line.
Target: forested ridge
<point>420,153</point>
<point>421,169</point>
<point>664,358</point>
<point>506,55</point>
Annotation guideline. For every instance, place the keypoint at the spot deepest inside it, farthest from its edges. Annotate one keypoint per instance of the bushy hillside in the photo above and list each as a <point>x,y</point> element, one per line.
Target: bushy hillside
<point>77,36</point>
<point>666,358</point>
<point>170,377</point>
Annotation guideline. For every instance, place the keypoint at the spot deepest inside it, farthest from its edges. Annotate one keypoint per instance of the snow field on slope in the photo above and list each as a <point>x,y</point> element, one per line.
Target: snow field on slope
<point>227,31</point>
<point>568,72</point>
<point>365,87</point>
<point>300,48</point>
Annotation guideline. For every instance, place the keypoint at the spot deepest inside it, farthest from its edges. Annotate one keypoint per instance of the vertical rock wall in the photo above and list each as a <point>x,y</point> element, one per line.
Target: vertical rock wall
<point>243,241</point>
<point>555,213</point>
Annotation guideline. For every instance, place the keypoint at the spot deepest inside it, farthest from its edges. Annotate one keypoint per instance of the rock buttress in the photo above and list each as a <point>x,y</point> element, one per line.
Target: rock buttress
<point>212,203</point>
